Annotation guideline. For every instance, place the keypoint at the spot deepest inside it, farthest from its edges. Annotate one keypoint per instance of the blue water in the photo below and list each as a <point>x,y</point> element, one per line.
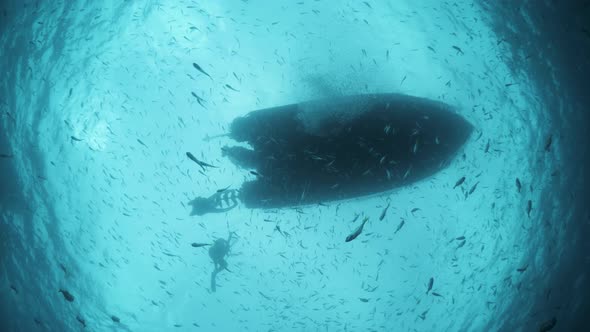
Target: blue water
<point>106,218</point>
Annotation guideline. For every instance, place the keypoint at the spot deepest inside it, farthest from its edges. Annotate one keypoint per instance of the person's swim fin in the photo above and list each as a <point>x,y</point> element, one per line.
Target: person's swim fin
<point>213,287</point>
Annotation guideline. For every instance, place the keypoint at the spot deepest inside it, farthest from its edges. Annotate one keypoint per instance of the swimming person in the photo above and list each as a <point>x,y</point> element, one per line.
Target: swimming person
<point>221,201</point>
<point>217,252</point>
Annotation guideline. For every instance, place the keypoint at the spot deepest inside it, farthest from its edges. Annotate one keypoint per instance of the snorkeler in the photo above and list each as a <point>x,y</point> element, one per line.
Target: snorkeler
<point>221,201</point>
<point>217,252</point>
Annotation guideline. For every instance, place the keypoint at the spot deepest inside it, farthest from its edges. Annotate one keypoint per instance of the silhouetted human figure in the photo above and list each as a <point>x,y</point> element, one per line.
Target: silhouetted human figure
<point>217,252</point>
<point>219,202</point>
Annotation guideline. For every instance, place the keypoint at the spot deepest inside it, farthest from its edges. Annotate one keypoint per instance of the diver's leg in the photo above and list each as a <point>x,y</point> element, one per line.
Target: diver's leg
<point>230,197</point>
<point>213,286</point>
<point>234,197</point>
<point>226,198</point>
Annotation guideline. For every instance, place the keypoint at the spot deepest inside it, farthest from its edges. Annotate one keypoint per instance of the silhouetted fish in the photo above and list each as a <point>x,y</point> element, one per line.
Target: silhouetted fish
<point>430,283</point>
<point>548,325</point>
<point>357,232</point>
<point>197,67</point>
<point>198,245</point>
<point>199,162</point>
<point>384,212</point>
<point>69,297</point>
<point>459,182</point>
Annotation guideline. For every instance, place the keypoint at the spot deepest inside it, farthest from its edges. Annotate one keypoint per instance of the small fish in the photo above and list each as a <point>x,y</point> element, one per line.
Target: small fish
<point>116,319</point>
<point>423,315</point>
<point>548,142</point>
<point>209,138</point>
<point>81,320</point>
<point>430,283</point>
<point>357,232</point>
<point>459,50</point>
<point>199,100</point>
<point>384,212</point>
<point>548,325</point>
<point>460,238</point>
<point>529,207</point>
<point>363,299</point>
<point>437,294</point>
<point>522,269</point>
<point>3,155</point>
<point>14,289</point>
<point>473,188</point>
<point>487,147</point>
<point>264,295</point>
<point>461,244</point>
<point>459,182</point>
<point>141,142</point>
<point>223,189</point>
<point>518,185</point>
<point>10,116</point>
<point>69,297</point>
<point>368,5</point>
<point>197,67</point>
<point>414,210</point>
<point>198,245</point>
<point>74,138</point>
<point>401,224</point>
<point>415,147</point>
<point>278,228</point>
<point>407,173</point>
<point>200,163</point>
<point>254,173</point>
<point>231,88</point>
